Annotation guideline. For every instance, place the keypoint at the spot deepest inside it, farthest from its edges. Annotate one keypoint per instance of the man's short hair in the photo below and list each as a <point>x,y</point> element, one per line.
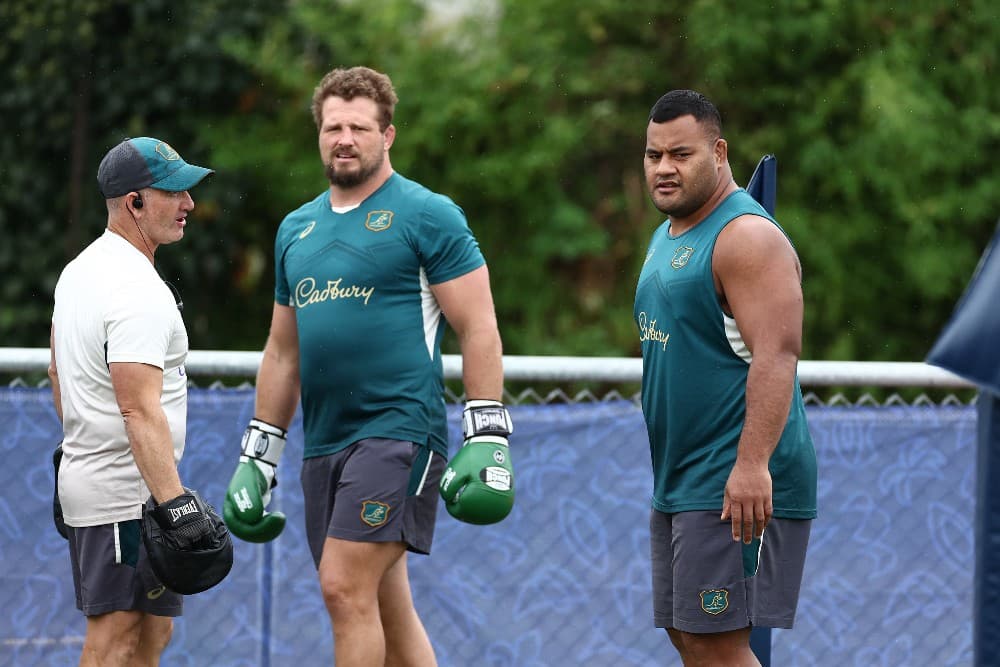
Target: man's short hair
<point>356,82</point>
<point>679,103</point>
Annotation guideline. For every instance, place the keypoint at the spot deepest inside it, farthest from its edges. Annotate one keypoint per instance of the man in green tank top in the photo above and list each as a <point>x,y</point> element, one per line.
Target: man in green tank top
<point>719,312</point>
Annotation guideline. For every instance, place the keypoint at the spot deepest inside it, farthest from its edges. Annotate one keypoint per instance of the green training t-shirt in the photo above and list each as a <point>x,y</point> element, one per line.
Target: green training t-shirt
<point>369,327</point>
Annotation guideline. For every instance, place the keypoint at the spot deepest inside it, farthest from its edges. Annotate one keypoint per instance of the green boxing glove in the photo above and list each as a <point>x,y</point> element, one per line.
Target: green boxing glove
<point>249,490</point>
<point>478,483</point>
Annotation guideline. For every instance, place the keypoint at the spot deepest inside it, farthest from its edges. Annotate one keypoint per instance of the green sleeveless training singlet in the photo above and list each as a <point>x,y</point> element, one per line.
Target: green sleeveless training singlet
<point>694,376</point>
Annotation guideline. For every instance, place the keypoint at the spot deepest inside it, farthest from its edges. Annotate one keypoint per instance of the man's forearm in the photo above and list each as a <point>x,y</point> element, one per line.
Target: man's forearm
<point>56,393</point>
<point>53,372</point>
<point>153,451</point>
<point>770,382</point>
<point>277,390</point>
<point>482,364</point>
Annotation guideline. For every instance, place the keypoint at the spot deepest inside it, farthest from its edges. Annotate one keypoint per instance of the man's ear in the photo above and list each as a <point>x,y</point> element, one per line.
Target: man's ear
<point>721,151</point>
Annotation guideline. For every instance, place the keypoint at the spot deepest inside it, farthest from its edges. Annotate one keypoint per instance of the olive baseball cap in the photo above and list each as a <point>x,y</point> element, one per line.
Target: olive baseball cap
<point>145,162</point>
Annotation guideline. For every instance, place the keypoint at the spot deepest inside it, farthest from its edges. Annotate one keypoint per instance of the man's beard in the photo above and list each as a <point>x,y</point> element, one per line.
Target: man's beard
<point>696,193</point>
<point>353,179</point>
<point>680,209</point>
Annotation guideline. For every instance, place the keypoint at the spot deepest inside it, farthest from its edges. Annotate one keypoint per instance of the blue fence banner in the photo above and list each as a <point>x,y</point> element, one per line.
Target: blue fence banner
<point>565,579</point>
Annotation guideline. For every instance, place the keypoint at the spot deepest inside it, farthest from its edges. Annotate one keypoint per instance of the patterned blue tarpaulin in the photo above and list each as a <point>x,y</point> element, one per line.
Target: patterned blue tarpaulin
<point>564,580</point>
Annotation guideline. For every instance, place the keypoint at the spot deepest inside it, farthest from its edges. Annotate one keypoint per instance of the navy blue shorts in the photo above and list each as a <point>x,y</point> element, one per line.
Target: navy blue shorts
<point>376,490</point>
<point>705,582</point>
<point>111,572</point>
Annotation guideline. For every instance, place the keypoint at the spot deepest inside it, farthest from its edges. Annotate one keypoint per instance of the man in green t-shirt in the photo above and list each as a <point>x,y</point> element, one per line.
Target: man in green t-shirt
<point>366,274</point>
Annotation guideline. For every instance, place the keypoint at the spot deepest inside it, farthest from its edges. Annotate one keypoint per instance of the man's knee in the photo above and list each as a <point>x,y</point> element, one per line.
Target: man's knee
<point>111,638</point>
<point>343,594</point>
<point>731,648</point>
<point>351,575</point>
<point>676,638</point>
<point>156,634</point>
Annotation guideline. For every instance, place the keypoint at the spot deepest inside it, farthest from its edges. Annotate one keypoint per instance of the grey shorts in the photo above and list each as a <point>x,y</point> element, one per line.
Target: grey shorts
<point>111,572</point>
<point>705,582</point>
<point>376,490</point>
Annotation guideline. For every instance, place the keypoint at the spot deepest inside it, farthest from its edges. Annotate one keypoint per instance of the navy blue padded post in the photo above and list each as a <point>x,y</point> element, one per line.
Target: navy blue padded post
<point>763,186</point>
<point>986,586</point>
<point>969,346</point>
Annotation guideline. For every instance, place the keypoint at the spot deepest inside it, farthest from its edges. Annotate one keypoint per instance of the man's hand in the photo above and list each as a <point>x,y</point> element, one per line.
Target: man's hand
<point>57,513</point>
<point>185,522</point>
<point>188,546</point>
<point>747,501</point>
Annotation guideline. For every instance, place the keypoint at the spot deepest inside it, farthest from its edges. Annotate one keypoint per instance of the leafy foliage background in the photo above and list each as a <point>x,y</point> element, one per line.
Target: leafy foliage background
<point>531,115</point>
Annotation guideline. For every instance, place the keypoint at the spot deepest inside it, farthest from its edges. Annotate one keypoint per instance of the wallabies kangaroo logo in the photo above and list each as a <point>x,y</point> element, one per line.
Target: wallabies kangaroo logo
<point>379,221</point>
<point>374,513</point>
<point>715,602</point>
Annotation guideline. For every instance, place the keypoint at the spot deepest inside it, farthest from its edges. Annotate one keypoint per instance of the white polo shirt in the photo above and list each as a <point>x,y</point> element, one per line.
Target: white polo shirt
<point>111,306</point>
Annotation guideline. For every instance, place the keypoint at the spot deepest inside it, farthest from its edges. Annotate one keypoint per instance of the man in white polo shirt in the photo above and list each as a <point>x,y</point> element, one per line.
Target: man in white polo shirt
<point>117,369</point>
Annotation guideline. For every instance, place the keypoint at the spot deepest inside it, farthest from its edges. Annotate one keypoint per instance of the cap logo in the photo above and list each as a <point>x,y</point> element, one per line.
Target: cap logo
<point>379,221</point>
<point>166,152</point>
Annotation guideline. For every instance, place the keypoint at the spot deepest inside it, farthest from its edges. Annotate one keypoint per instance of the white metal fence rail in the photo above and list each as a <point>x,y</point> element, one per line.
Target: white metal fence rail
<point>220,363</point>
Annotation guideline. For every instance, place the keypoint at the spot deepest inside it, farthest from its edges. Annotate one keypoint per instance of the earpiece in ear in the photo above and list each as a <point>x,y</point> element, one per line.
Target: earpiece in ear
<point>137,201</point>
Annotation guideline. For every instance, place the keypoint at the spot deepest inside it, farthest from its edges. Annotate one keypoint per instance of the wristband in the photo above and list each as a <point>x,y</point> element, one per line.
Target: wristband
<point>483,417</point>
<point>264,442</point>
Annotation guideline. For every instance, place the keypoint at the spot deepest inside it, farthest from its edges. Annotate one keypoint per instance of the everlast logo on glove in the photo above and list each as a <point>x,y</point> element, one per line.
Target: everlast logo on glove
<point>177,512</point>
